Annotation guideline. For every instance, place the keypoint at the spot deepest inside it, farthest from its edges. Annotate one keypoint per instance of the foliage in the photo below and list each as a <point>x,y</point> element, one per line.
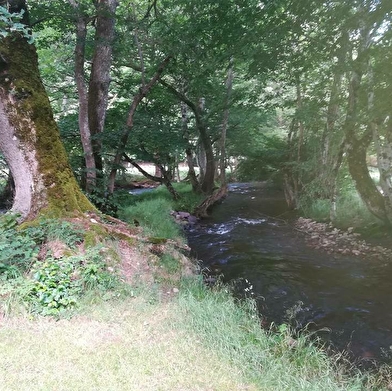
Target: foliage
<point>11,22</point>
<point>18,249</point>
<point>54,288</point>
<point>51,285</point>
<point>351,210</point>
<point>263,160</point>
<point>52,229</point>
<point>60,283</point>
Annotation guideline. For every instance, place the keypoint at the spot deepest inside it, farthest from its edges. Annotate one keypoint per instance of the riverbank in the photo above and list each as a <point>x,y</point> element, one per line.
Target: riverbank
<point>162,329</point>
<point>197,340</point>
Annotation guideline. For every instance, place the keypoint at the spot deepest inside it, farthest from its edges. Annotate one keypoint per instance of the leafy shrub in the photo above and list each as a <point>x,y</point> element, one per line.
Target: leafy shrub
<point>18,250</point>
<point>53,229</point>
<point>59,283</point>
<point>55,287</point>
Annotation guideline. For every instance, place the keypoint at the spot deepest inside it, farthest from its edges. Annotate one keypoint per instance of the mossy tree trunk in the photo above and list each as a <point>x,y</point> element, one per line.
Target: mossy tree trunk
<point>30,140</point>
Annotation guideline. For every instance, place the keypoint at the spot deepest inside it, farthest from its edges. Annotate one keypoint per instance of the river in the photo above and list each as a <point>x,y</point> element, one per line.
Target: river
<point>250,241</point>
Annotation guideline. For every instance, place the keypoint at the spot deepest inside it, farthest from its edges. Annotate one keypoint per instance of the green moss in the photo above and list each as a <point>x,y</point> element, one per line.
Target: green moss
<point>29,109</point>
<point>90,239</point>
<point>154,240</point>
<point>96,233</point>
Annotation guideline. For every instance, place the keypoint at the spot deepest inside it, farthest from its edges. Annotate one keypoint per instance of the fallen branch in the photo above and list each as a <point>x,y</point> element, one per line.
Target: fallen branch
<point>202,209</point>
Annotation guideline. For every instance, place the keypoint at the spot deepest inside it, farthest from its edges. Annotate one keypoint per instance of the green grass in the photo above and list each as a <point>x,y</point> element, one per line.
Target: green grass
<point>199,340</point>
<point>187,202</point>
<point>152,209</point>
<point>351,211</point>
<point>154,216</point>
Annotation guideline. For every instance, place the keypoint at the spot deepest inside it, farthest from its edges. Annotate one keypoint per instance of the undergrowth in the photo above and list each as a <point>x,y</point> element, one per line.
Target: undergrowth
<point>350,210</point>
<point>49,283</point>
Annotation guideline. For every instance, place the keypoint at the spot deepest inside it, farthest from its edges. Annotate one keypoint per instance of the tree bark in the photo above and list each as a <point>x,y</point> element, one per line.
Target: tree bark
<point>356,148</point>
<point>207,182</point>
<point>89,174</point>
<point>100,75</point>
<point>188,150</point>
<point>143,91</point>
<point>356,159</point>
<point>30,140</point>
<point>225,122</point>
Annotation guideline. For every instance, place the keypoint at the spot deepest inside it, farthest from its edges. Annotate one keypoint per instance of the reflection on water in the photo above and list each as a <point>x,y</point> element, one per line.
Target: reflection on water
<point>246,239</point>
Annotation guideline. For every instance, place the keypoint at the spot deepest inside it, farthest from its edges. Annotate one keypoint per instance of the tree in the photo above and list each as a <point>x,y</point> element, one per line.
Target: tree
<point>93,100</point>
<point>29,137</point>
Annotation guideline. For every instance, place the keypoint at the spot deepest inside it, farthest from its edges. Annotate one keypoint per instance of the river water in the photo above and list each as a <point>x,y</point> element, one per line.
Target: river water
<point>249,240</point>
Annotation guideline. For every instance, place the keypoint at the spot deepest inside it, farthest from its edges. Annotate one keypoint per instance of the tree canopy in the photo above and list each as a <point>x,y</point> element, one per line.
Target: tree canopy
<point>297,90</point>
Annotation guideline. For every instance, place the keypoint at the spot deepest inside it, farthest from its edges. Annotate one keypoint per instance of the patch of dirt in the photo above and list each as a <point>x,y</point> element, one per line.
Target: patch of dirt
<point>325,237</point>
<point>139,255</point>
<point>133,263</point>
<point>56,248</point>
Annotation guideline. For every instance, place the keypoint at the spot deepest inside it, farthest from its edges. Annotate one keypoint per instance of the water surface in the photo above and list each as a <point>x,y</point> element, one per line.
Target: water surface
<point>250,239</point>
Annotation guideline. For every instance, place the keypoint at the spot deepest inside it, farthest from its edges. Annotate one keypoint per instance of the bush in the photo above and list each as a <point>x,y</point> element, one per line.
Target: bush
<point>58,284</point>
<point>18,249</point>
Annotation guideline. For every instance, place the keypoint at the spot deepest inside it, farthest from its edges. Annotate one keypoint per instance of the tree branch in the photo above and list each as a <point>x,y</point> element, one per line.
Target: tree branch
<point>141,170</point>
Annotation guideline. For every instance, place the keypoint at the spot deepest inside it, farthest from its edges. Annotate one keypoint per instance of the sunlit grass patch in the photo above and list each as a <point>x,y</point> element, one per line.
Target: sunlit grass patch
<point>154,216</point>
<point>133,345</point>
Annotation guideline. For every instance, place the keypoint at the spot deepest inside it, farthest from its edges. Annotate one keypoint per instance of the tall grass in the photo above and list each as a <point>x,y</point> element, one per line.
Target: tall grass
<point>271,361</point>
<point>152,210</point>
<point>187,202</point>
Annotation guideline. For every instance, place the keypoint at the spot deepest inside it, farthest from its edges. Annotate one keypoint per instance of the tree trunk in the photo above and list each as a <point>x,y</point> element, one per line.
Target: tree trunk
<point>188,151</point>
<point>30,140</point>
<point>143,91</point>
<point>202,209</point>
<point>333,186</point>
<point>207,185</point>
<point>88,180</point>
<point>384,162</point>
<point>191,171</point>
<point>356,148</point>
<point>356,159</point>
<point>100,75</point>
<point>333,104</point>
<point>207,182</point>
<point>290,170</point>
<point>201,160</point>
<point>225,123</point>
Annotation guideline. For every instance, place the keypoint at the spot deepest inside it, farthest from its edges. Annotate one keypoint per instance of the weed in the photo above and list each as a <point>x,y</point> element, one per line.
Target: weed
<point>56,285</point>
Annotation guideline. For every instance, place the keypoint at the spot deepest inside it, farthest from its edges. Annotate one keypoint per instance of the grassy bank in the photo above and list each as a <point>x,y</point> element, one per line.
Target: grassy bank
<point>137,321</point>
<point>199,340</point>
